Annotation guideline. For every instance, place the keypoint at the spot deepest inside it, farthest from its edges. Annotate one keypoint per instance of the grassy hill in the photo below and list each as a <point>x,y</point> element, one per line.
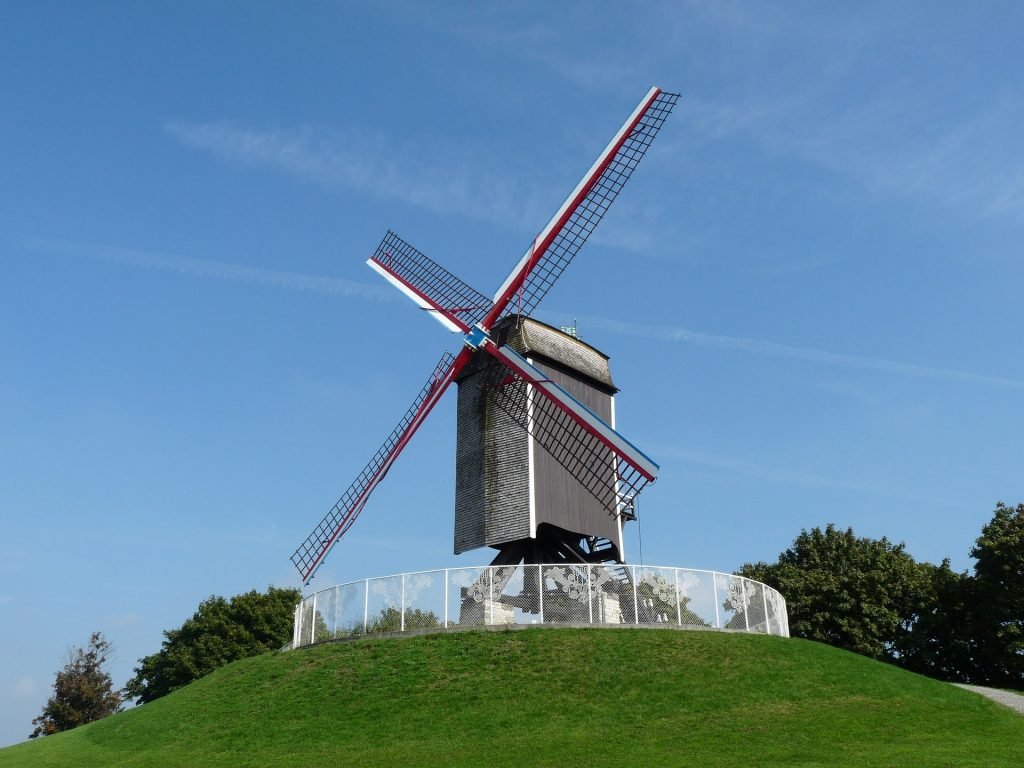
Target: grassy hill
<point>630,697</point>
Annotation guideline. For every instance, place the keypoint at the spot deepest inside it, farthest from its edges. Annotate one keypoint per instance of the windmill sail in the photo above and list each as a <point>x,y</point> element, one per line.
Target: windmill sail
<point>606,475</point>
<point>576,413</point>
<point>456,305</point>
<point>311,553</point>
<point>603,461</point>
<point>554,248</point>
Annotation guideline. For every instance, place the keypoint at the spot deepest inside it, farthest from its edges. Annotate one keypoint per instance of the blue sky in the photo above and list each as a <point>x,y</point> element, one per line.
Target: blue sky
<point>809,290</point>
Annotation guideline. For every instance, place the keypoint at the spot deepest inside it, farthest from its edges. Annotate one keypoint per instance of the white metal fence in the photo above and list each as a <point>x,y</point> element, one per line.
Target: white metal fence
<point>542,595</point>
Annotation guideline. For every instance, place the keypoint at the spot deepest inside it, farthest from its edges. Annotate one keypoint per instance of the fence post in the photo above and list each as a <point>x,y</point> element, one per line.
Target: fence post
<point>312,622</point>
<point>636,603</point>
<point>446,598</point>
<point>337,610</point>
<point>490,595</point>
<point>679,607</point>
<point>402,620</point>
<point>764,602</point>
<point>366,606</point>
<point>297,625</point>
<point>540,589</point>
<point>746,617</point>
<point>590,596</point>
<point>714,590</point>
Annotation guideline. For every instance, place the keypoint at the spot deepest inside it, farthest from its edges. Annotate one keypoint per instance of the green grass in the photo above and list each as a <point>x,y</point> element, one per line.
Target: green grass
<point>568,697</point>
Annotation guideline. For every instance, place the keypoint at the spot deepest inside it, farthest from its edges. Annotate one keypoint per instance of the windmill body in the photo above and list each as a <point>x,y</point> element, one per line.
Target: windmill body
<point>535,392</point>
<point>511,493</point>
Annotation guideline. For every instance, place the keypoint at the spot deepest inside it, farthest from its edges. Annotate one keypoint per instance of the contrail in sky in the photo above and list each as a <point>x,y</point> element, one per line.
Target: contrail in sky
<point>774,349</point>
<point>187,265</point>
<point>339,287</point>
<point>783,475</point>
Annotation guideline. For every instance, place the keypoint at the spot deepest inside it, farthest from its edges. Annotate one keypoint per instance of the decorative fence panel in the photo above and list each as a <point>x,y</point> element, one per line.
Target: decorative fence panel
<point>564,594</point>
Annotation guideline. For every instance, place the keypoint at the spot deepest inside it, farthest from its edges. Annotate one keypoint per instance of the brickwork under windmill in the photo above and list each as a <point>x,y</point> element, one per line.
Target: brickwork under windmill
<point>508,484</point>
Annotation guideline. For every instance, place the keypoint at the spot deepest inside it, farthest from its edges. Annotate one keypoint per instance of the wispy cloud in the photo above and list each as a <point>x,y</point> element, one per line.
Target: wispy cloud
<point>441,178</point>
<point>339,287</point>
<point>746,468</point>
<point>546,40</point>
<point>543,45</point>
<point>969,163</point>
<point>775,474</point>
<point>924,130</point>
<point>24,687</point>
<point>775,349</point>
<point>188,265</point>
<point>936,135</point>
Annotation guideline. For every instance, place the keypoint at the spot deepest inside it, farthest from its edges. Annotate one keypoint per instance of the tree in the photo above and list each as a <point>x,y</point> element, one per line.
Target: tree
<point>943,638</point>
<point>860,594</point>
<point>871,597</point>
<point>220,631</point>
<point>999,598</point>
<point>83,691</point>
<point>390,620</point>
<point>657,603</point>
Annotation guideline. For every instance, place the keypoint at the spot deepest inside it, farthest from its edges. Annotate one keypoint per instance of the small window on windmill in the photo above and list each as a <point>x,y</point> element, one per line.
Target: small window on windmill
<point>570,330</point>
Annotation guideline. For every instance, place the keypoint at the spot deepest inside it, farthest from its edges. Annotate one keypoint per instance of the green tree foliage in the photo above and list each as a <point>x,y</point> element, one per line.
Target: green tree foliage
<point>390,620</point>
<point>999,595</point>
<point>973,631</point>
<point>322,631</point>
<point>860,594</point>
<point>83,691</point>
<point>871,597</point>
<point>220,631</point>
<point>942,640</point>
<point>657,603</point>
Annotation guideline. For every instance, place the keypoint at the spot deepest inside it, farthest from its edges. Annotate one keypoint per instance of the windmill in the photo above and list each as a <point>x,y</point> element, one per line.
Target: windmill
<point>492,361</point>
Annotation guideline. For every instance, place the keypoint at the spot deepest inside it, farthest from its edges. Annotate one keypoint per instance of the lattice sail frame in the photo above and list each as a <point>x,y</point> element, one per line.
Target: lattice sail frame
<point>588,214</point>
<point>461,308</point>
<point>339,519</point>
<point>597,467</point>
<point>426,278</point>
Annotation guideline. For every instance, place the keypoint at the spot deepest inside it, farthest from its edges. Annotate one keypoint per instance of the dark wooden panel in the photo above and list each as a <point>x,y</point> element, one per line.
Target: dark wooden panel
<point>560,499</point>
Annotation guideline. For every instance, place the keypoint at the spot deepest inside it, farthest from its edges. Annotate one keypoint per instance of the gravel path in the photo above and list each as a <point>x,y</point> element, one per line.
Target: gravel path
<point>1012,700</point>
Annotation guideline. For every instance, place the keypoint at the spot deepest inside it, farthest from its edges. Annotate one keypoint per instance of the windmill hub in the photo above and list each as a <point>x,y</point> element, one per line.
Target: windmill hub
<point>476,337</point>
